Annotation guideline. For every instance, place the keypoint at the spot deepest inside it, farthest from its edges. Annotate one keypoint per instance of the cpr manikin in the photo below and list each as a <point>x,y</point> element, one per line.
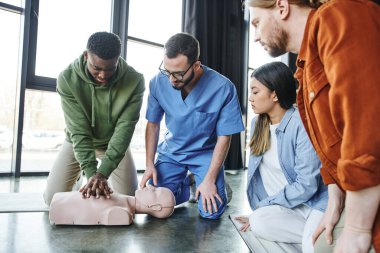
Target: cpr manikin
<point>71,208</point>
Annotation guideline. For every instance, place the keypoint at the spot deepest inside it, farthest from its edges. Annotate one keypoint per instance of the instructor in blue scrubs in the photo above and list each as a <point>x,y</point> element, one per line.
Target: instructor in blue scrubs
<point>201,111</point>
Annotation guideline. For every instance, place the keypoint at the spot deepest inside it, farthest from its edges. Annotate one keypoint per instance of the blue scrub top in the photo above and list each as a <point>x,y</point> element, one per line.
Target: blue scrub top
<point>211,109</point>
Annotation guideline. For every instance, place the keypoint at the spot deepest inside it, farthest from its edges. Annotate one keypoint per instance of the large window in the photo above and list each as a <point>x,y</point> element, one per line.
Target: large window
<point>154,20</point>
<point>9,51</point>
<point>12,2</point>
<point>145,53</point>
<point>72,22</point>
<point>43,132</point>
<point>138,55</point>
<point>56,33</point>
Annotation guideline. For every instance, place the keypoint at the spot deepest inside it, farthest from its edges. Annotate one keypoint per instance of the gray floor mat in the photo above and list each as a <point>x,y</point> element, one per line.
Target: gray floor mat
<point>22,202</point>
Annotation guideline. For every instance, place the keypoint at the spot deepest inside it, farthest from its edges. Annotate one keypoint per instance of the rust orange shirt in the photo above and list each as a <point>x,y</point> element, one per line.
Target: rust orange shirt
<point>339,97</point>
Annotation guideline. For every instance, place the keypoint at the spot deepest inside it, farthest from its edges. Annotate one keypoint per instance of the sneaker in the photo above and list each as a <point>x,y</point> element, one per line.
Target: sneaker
<point>229,192</point>
<point>193,189</point>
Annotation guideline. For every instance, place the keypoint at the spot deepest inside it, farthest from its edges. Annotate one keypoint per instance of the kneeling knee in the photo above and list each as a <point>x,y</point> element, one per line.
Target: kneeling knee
<point>214,215</point>
<point>211,216</point>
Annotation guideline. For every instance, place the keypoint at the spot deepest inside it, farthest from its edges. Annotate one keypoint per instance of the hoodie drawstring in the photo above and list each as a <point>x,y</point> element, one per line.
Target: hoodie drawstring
<point>92,106</point>
<point>109,106</point>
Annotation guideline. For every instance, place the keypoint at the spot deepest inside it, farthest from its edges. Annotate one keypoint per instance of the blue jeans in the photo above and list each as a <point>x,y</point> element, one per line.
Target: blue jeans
<point>173,175</point>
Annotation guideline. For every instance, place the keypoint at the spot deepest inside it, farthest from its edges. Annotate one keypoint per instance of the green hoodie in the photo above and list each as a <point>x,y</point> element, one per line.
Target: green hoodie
<point>100,116</point>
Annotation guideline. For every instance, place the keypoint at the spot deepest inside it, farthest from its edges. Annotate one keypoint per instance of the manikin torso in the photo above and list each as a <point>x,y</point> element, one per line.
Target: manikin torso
<point>70,208</point>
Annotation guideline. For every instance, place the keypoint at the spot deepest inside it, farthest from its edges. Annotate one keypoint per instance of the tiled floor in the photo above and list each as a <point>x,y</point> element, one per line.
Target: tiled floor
<point>184,231</point>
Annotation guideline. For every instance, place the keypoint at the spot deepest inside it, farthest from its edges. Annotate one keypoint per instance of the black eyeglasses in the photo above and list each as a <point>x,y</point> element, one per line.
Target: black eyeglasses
<point>177,75</point>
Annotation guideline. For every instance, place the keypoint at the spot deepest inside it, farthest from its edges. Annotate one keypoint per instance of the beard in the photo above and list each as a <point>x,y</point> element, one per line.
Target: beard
<point>278,41</point>
<point>185,82</point>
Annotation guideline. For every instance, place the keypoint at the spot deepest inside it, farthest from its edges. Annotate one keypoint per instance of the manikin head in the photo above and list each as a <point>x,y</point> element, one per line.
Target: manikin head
<point>158,202</point>
<point>102,55</point>
<point>181,61</point>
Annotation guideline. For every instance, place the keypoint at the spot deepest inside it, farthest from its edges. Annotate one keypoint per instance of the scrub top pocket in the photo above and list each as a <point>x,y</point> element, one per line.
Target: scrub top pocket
<point>205,122</point>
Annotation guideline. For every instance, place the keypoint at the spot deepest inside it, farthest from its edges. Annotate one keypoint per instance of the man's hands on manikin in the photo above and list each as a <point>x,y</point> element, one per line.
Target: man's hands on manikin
<point>209,193</point>
<point>97,185</point>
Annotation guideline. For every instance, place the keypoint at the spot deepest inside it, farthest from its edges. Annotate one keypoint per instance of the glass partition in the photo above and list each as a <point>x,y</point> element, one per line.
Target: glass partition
<point>137,57</point>
<point>154,24</point>
<point>154,20</point>
<point>13,2</point>
<point>9,62</point>
<point>43,132</point>
<point>73,22</point>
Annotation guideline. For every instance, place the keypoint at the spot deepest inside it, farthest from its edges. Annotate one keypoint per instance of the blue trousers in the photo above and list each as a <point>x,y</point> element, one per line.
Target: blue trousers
<point>173,175</point>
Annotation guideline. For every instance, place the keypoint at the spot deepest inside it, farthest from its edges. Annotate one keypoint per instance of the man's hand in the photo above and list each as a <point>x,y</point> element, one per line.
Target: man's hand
<point>245,221</point>
<point>360,214</point>
<point>331,217</point>
<point>354,240</point>
<point>150,172</point>
<point>329,220</point>
<point>97,185</point>
<point>209,193</point>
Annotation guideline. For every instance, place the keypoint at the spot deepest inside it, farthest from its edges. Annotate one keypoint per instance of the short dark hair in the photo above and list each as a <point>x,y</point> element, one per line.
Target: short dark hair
<point>182,43</point>
<point>278,77</point>
<point>105,45</point>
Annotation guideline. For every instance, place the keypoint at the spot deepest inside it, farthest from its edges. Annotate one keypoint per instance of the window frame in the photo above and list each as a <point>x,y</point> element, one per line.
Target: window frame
<point>28,78</point>
<point>27,65</point>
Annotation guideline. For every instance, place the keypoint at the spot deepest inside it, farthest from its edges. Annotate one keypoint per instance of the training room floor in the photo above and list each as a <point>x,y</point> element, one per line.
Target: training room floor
<point>184,231</point>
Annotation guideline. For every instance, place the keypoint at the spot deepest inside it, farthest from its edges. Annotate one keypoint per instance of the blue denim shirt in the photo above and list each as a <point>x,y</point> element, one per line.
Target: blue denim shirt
<point>300,165</point>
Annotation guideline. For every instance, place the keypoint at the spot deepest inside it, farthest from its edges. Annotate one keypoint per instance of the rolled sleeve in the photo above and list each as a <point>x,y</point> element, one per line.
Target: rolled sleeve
<point>366,167</point>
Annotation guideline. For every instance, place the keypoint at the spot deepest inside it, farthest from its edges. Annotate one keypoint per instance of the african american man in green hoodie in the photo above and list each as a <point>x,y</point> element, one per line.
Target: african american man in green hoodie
<point>101,98</point>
